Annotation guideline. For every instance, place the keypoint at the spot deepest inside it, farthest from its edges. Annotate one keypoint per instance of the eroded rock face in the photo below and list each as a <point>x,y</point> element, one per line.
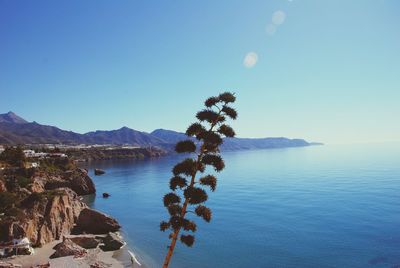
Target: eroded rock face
<point>94,222</point>
<point>10,230</point>
<point>67,248</point>
<point>81,183</point>
<point>112,242</point>
<point>3,187</point>
<point>78,180</point>
<point>86,241</point>
<point>47,206</point>
<point>52,216</point>
<point>37,185</point>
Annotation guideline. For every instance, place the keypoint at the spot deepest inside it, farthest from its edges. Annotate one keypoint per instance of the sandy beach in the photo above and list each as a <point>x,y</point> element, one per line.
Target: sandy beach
<point>119,258</point>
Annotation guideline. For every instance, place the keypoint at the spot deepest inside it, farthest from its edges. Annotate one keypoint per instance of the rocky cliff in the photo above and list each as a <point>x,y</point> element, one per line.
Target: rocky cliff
<point>44,204</point>
<point>44,217</point>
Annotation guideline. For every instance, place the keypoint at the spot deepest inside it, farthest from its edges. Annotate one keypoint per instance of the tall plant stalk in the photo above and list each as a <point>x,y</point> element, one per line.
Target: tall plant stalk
<point>207,134</point>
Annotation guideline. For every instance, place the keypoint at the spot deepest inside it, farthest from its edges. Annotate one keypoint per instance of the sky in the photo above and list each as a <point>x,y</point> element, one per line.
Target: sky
<point>326,71</point>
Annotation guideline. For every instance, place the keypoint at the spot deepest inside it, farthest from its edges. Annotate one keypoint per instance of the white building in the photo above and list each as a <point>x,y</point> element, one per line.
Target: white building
<point>34,165</point>
<point>32,153</point>
<point>29,153</point>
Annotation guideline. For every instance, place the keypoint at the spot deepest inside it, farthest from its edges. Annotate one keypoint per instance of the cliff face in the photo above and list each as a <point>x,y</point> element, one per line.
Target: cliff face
<point>77,180</point>
<point>52,217</point>
<point>46,217</point>
<point>42,205</point>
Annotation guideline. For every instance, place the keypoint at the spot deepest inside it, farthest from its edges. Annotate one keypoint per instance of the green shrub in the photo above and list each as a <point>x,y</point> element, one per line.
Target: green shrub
<point>23,181</point>
<point>16,213</point>
<point>56,165</point>
<point>7,200</point>
<point>52,193</point>
<point>35,197</point>
<point>13,156</point>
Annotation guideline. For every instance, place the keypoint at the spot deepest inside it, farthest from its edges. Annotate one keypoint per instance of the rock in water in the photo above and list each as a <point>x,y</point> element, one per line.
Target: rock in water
<point>67,248</point>
<point>106,195</point>
<point>112,242</point>
<point>94,222</point>
<point>98,172</point>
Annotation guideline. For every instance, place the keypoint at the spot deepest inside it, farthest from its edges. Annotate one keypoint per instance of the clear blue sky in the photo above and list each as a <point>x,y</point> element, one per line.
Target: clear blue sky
<point>326,71</point>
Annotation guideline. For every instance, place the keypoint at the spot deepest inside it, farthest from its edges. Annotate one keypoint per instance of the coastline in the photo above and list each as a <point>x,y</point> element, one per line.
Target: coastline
<point>53,225</point>
<point>120,258</point>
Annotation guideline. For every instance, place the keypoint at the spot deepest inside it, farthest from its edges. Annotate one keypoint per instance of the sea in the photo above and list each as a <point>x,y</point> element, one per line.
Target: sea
<point>316,206</point>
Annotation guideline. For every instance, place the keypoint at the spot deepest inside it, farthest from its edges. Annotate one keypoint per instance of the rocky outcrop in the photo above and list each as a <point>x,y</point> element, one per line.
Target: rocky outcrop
<point>51,215</point>
<point>3,187</point>
<point>44,204</point>
<point>10,229</point>
<point>81,183</point>
<point>78,180</point>
<point>86,241</point>
<point>112,242</point>
<point>94,222</point>
<point>37,185</point>
<point>67,248</point>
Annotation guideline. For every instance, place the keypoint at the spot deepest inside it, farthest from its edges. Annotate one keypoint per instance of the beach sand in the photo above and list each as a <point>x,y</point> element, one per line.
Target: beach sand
<point>119,258</point>
<point>41,256</point>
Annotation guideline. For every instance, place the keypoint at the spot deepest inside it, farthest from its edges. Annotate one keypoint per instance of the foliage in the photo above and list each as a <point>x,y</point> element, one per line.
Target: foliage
<point>7,200</point>
<point>40,197</point>
<point>50,194</point>
<point>186,146</point>
<point>16,213</point>
<point>23,181</point>
<point>55,165</point>
<point>13,156</point>
<point>187,190</point>
<point>177,181</point>
<point>210,181</point>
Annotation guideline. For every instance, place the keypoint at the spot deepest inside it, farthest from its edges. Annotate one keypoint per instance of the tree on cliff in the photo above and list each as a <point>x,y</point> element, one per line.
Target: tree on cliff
<point>13,156</point>
<point>188,192</point>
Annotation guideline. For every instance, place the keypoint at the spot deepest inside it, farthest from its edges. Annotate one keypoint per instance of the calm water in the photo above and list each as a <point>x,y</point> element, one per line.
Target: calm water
<point>321,206</point>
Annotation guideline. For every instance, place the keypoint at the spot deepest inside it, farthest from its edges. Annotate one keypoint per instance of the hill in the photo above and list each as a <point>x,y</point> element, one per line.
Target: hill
<point>11,117</point>
<point>231,144</point>
<point>16,130</point>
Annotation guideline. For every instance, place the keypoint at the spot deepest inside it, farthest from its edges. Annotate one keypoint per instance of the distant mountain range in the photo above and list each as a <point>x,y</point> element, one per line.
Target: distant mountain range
<point>16,130</point>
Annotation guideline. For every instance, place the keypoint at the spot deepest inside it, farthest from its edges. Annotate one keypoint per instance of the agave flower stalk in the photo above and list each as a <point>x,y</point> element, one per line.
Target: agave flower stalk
<point>187,189</point>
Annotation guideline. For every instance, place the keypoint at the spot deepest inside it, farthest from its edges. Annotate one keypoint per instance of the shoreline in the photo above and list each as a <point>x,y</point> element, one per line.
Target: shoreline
<point>61,229</point>
<point>120,258</point>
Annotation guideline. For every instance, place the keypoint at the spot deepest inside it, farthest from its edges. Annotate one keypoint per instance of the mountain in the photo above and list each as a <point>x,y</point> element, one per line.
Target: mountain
<point>231,144</point>
<point>169,136</point>
<point>261,143</point>
<point>12,133</point>
<point>11,117</point>
<point>16,130</point>
<point>123,136</point>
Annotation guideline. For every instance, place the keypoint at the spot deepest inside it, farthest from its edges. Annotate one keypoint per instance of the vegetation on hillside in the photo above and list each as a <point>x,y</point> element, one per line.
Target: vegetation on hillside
<point>13,156</point>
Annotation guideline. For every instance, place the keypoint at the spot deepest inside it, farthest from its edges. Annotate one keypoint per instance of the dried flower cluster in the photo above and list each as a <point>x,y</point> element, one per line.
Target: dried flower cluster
<point>204,138</point>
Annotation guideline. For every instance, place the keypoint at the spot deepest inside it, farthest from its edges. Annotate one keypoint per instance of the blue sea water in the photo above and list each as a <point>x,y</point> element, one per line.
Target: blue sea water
<point>318,206</point>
